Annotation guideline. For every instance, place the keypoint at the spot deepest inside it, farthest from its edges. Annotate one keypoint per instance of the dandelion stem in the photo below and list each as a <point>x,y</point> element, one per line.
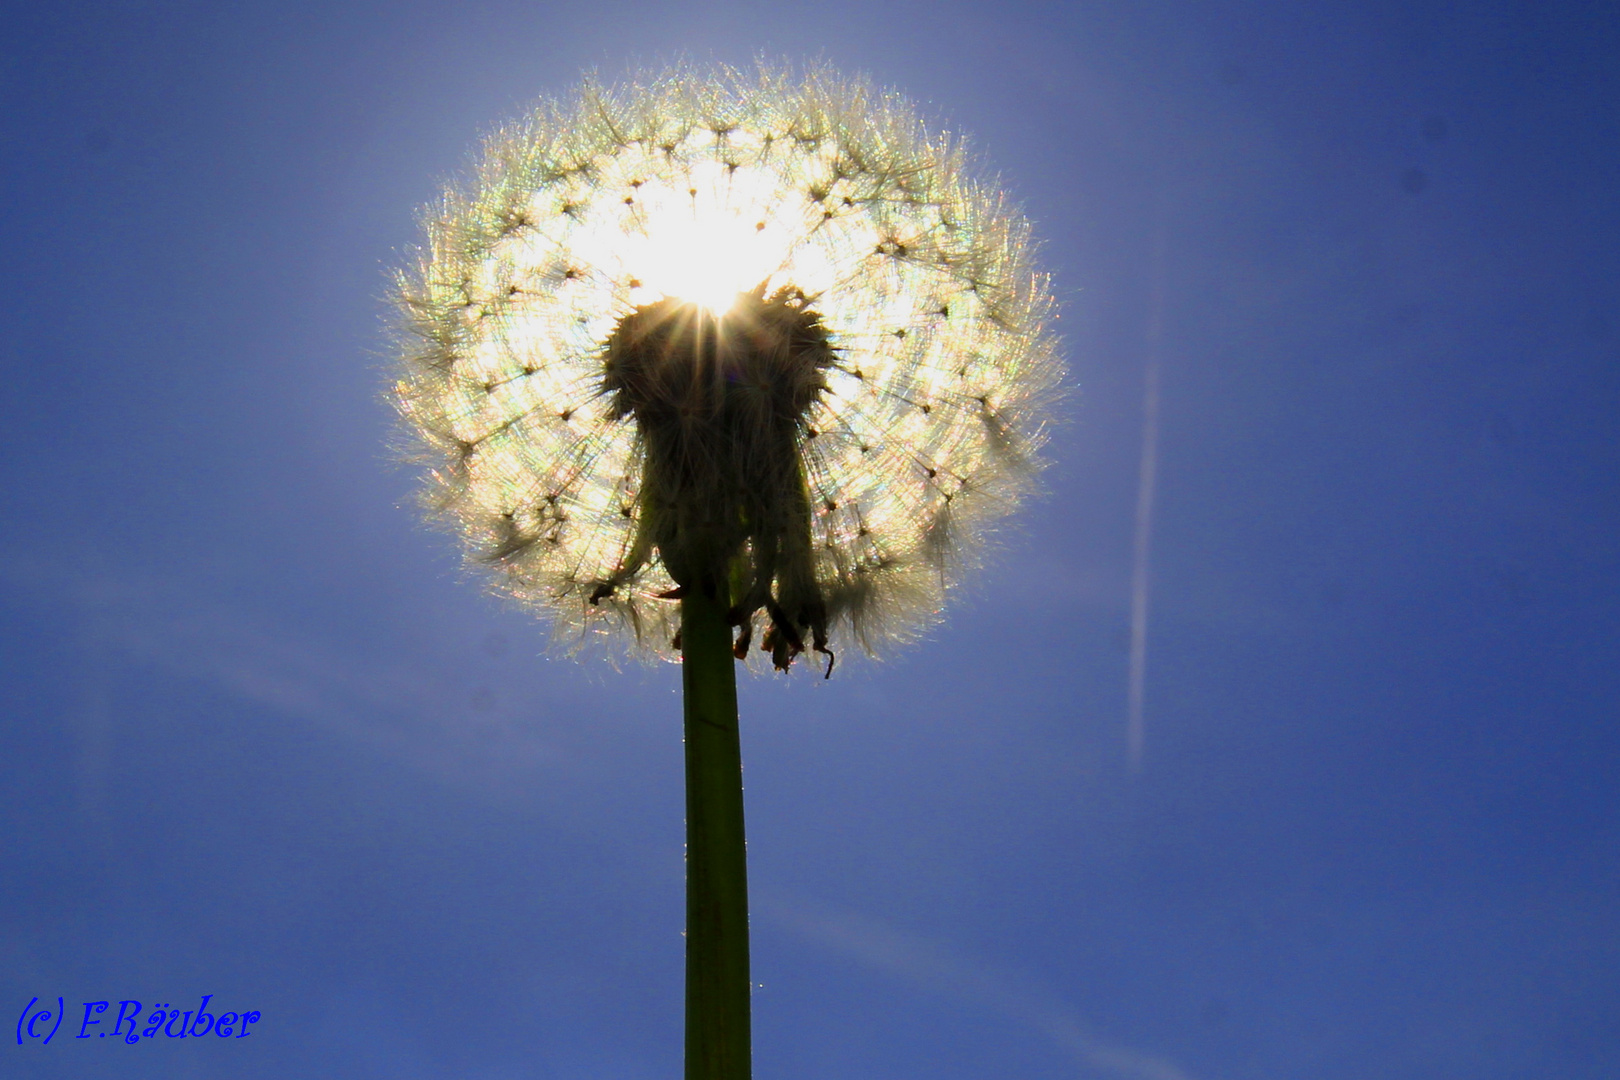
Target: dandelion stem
<point>717,986</point>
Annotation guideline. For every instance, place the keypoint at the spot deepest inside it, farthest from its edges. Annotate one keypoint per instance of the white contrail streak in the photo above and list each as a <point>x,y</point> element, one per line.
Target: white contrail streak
<point>925,964</point>
<point>1147,477</point>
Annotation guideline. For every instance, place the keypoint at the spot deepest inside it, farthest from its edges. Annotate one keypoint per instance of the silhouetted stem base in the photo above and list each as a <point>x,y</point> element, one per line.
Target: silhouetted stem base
<point>717,981</point>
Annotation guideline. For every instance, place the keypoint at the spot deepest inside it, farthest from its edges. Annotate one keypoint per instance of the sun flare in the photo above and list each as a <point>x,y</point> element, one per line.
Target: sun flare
<point>706,242</point>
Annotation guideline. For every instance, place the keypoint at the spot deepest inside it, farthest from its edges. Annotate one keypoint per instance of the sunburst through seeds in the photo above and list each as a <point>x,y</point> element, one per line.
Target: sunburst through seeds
<point>755,332</point>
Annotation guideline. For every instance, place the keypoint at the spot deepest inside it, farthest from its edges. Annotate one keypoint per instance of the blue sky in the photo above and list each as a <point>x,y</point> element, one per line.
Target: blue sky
<point>264,740</point>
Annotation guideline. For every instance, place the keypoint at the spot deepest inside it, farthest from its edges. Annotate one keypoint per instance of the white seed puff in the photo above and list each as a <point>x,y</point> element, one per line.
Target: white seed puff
<point>793,199</point>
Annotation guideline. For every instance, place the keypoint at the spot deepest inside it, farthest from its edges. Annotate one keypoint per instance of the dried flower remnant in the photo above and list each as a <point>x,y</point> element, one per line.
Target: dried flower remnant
<point>750,332</point>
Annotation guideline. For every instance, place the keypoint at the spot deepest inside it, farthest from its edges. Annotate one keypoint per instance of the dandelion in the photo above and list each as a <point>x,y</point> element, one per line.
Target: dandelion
<point>714,355</point>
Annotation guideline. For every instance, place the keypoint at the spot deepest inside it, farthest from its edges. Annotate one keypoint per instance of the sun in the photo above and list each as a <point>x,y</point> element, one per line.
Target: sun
<point>704,236</point>
<point>708,243</point>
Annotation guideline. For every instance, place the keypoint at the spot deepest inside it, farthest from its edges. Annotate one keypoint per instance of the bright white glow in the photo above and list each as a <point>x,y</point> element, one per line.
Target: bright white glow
<point>706,247</point>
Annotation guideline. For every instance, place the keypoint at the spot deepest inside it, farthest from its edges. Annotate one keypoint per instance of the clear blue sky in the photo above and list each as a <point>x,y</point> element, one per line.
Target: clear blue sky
<point>260,739</point>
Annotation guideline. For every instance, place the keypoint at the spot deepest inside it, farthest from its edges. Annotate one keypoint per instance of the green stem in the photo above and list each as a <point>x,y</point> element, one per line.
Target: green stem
<point>717,1037</point>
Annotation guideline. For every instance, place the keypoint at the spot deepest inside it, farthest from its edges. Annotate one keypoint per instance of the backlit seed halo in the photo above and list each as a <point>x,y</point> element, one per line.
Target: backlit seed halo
<point>703,186</point>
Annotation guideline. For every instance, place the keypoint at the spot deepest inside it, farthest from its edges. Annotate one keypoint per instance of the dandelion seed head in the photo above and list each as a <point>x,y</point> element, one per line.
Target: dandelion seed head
<point>766,313</point>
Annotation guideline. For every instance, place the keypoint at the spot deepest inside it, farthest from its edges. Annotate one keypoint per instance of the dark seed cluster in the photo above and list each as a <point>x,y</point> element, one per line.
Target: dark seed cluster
<point>720,406</point>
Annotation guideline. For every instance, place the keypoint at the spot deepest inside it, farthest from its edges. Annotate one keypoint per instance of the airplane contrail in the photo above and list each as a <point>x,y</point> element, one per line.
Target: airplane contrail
<point>1147,477</point>
<point>927,965</point>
